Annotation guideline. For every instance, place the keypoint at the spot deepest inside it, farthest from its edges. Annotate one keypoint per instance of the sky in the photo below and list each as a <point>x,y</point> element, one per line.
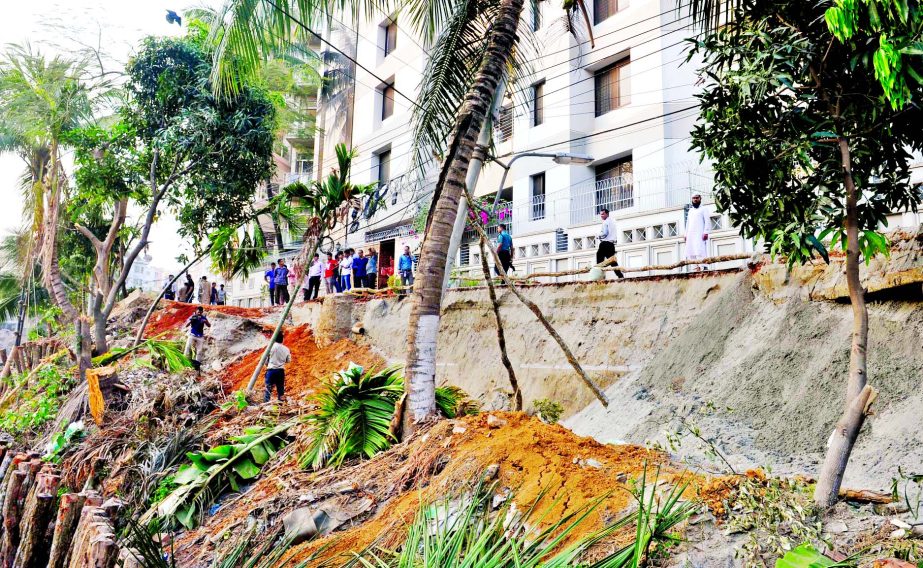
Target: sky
<point>61,26</point>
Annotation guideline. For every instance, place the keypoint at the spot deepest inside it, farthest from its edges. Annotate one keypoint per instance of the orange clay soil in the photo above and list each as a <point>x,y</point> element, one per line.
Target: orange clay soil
<point>174,315</point>
<point>309,365</point>
<point>533,456</point>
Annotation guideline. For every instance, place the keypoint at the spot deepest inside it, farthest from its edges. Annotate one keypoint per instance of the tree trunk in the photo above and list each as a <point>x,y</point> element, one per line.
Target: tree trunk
<point>423,325</point>
<point>288,307</point>
<point>50,270</point>
<point>501,338</point>
<point>858,395</point>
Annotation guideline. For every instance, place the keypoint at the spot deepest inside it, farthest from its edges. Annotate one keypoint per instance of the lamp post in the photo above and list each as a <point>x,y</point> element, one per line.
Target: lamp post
<point>562,158</point>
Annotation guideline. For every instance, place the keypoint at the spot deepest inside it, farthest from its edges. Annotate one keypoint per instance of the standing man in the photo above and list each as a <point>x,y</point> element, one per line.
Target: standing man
<point>696,231</point>
<point>213,297</point>
<point>504,250</point>
<point>222,296</point>
<point>270,277</point>
<point>282,296</point>
<point>346,270</point>
<point>205,291</point>
<point>196,323</point>
<point>185,294</point>
<point>359,264</point>
<point>279,356</point>
<point>606,238</point>
<point>371,270</point>
<point>405,267</point>
<point>169,290</point>
<point>330,274</point>
<point>314,276</point>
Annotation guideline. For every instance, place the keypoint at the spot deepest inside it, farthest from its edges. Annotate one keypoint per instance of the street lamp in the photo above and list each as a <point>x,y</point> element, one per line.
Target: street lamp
<point>563,158</point>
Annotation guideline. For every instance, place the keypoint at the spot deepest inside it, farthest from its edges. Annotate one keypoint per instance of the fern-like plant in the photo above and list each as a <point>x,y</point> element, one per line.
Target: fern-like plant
<point>353,416</point>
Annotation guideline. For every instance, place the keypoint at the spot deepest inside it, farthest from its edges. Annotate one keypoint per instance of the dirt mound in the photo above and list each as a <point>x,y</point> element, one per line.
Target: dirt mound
<point>535,460</point>
<point>309,365</point>
<point>175,314</point>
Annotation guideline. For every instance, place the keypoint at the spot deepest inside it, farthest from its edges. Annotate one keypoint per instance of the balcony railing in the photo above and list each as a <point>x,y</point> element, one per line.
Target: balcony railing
<point>389,233</point>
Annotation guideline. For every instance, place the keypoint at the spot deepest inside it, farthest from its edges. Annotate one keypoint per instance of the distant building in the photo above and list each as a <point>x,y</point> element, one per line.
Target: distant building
<point>144,276</point>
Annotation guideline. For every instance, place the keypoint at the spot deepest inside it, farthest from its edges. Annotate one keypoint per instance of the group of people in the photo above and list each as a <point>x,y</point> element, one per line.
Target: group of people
<point>350,269</point>
<point>207,293</point>
<point>276,277</point>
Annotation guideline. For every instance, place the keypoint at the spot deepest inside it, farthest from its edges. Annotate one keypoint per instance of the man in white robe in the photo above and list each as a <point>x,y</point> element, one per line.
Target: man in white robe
<point>697,231</point>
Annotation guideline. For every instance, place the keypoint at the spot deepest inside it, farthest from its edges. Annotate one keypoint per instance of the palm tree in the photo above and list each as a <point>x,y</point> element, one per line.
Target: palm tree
<point>40,100</point>
<point>474,51</point>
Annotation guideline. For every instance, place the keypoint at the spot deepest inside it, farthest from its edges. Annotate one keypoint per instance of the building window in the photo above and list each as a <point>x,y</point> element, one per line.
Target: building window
<point>641,234</point>
<point>387,101</point>
<point>538,103</point>
<point>546,248</point>
<point>658,231</point>
<point>534,250</point>
<point>613,87</point>
<point>536,15</point>
<point>464,253</point>
<point>560,241</point>
<point>537,183</point>
<point>627,236</point>
<point>716,223</point>
<point>578,244</point>
<point>476,259</point>
<point>384,167</point>
<point>614,185</point>
<point>602,9</point>
<point>521,252</point>
<point>505,123</point>
<point>671,230</point>
<point>591,242</point>
<point>390,37</point>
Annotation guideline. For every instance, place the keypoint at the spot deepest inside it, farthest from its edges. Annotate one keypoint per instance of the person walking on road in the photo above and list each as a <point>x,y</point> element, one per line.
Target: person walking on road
<point>504,250</point>
<point>405,268</point>
<point>205,291</point>
<point>270,277</point>
<point>371,270</point>
<point>697,231</point>
<point>607,236</point>
<point>282,296</point>
<point>196,323</point>
<point>314,276</point>
<point>279,357</point>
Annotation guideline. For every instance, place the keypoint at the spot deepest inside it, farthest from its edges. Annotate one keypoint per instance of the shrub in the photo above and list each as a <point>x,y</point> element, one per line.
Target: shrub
<point>548,410</point>
<point>38,403</point>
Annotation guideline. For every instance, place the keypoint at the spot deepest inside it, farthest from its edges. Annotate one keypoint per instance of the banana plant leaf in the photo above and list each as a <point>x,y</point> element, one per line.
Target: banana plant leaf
<point>806,556</point>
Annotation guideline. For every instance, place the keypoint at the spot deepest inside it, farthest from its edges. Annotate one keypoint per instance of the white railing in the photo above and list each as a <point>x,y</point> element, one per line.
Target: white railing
<point>389,233</point>
<point>503,214</point>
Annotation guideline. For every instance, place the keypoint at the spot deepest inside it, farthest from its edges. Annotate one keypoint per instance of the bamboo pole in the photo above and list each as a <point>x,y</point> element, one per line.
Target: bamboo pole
<point>501,337</point>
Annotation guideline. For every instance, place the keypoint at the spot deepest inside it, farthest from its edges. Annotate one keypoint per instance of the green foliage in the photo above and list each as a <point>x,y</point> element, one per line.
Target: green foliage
<point>468,531</point>
<point>775,513</point>
<point>165,354</point>
<point>908,487</point>
<point>139,541</point>
<point>268,555</point>
<point>166,486</point>
<point>238,401</point>
<point>210,473</point>
<point>771,118</point>
<point>806,556</point>
<point>62,440</point>
<point>354,415</point>
<point>38,403</point>
<point>548,410</point>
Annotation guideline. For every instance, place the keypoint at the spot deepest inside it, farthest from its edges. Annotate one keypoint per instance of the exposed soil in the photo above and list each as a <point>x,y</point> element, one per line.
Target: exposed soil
<point>310,364</point>
<point>175,314</point>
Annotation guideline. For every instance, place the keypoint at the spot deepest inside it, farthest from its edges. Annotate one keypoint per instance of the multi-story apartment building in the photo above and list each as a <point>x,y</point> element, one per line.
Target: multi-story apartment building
<point>626,104</point>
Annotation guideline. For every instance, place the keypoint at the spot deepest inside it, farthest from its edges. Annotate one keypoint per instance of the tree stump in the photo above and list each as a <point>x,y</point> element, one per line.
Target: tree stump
<point>101,386</point>
<point>33,549</point>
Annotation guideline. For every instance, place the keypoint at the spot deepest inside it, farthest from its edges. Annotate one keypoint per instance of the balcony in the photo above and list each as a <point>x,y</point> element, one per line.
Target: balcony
<point>389,233</point>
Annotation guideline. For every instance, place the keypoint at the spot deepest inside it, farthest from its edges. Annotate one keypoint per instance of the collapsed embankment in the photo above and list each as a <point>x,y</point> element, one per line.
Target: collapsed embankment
<point>756,358</point>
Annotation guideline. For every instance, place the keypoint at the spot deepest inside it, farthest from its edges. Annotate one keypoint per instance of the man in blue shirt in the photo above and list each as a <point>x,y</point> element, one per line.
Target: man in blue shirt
<point>196,341</point>
<point>270,278</point>
<point>282,296</point>
<point>504,250</point>
<point>371,270</point>
<point>405,268</point>
<point>359,264</point>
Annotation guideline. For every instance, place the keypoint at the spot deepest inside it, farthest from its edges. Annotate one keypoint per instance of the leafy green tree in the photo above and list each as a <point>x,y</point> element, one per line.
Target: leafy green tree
<point>175,145</point>
<point>803,139</point>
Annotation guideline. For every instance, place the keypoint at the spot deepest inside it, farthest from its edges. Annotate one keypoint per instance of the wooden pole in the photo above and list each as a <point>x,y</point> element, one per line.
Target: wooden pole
<point>501,337</point>
<point>33,549</point>
<point>64,527</point>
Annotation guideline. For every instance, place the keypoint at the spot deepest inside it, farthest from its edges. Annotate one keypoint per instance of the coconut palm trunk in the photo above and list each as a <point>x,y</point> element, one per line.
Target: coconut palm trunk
<point>427,293</point>
<point>859,395</point>
<point>54,282</point>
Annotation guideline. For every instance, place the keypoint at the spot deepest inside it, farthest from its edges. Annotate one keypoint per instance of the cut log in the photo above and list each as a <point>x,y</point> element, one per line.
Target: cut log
<point>101,388</point>
<point>9,542</point>
<point>33,545</point>
<point>65,524</point>
<point>91,500</point>
<point>865,496</point>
